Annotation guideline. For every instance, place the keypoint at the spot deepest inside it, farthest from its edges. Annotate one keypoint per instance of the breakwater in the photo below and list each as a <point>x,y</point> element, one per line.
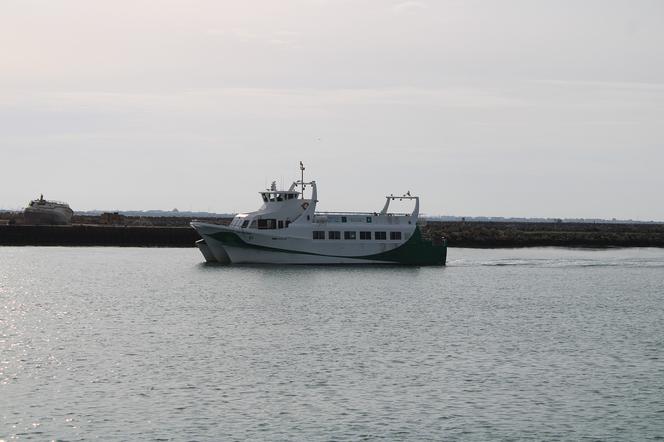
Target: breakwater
<point>512,234</point>
<point>96,235</point>
<point>458,234</point>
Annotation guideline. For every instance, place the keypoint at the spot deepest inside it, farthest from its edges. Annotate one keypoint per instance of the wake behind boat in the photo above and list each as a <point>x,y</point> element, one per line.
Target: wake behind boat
<point>286,229</point>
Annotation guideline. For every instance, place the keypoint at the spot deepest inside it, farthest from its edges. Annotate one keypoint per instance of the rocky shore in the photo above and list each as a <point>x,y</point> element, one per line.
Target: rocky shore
<point>175,232</point>
<point>499,234</point>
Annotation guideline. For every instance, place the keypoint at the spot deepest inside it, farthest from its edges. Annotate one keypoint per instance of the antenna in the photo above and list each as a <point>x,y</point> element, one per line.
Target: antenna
<point>302,180</point>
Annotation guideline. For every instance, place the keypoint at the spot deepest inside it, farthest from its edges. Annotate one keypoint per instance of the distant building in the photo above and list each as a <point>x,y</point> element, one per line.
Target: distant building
<point>112,218</point>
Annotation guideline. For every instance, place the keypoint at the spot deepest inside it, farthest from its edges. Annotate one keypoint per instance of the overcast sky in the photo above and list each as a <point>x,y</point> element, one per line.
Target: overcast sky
<point>498,108</point>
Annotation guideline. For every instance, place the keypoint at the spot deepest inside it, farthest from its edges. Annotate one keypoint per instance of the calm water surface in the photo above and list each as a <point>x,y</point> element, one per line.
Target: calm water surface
<point>126,344</point>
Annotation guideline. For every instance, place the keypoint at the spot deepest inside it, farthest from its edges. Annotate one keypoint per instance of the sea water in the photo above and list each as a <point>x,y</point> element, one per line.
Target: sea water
<point>153,344</point>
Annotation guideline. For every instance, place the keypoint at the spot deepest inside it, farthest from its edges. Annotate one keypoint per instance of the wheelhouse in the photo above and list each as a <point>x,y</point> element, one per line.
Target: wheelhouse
<point>271,196</point>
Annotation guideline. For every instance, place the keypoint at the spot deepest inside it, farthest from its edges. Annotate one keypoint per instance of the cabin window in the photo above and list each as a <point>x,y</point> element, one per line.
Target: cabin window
<point>365,235</point>
<point>368,219</point>
<point>267,223</point>
<point>319,234</point>
<point>395,235</point>
<point>252,225</point>
<point>280,197</point>
<point>380,235</point>
<point>287,223</point>
<point>349,235</point>
<point>333,235</point>
<point>344,219</point>
<point>281,225</point>
<point>265,199</point>
<point>245,223</point>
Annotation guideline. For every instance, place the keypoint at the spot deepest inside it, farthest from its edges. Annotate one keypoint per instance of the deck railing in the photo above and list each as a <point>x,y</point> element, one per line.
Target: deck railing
<point>363,213</point>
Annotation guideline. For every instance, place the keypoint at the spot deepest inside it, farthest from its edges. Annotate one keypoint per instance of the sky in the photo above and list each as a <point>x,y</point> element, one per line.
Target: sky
<point>483,108</point>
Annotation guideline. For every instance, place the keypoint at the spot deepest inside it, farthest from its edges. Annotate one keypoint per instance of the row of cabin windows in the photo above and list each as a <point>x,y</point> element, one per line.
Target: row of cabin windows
<point>332,234</point>
<point>263,224</point>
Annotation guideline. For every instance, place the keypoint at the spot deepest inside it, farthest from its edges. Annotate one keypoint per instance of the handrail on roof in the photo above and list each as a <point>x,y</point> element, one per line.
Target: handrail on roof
<point>345,213</point>
<point>362,213</point>
<point>50,201</point>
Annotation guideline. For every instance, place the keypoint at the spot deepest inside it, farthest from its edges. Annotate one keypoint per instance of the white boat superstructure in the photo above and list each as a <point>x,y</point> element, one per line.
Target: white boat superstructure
<point>41,211</point>
<point>286,229</point>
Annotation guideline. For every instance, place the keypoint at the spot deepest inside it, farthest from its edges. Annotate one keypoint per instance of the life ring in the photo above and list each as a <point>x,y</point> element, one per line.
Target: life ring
<point>305,205</point>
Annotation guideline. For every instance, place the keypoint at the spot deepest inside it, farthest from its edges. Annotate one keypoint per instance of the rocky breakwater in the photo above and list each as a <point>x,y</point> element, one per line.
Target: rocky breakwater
<point>175,232</point>
<point>95,235</point>
<point>523,234</point>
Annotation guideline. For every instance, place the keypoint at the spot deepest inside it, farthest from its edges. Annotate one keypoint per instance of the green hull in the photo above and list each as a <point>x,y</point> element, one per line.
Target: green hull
<point>416,251</point>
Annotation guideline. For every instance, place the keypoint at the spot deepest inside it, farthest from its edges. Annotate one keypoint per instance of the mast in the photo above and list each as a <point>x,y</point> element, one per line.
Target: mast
<point>302,179</point>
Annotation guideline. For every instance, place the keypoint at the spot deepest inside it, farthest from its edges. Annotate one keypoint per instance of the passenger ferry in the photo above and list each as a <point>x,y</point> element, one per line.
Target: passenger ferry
<point>286,229</point>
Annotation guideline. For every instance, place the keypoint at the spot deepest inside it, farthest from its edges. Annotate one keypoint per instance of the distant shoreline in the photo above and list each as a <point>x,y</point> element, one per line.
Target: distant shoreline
<point>458,234</point>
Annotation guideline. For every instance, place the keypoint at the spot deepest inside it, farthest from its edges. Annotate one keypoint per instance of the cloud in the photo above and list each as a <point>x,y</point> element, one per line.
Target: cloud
<point>638,85</point>
<point>408,7</point>
<point>284,38</point>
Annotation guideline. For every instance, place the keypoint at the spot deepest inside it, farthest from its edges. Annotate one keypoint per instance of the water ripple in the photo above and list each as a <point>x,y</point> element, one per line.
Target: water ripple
<point>541,344</point>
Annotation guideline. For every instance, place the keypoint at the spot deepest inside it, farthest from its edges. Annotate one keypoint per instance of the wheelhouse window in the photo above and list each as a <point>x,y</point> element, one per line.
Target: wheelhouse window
<point>349,235</point>
<point>365,235</point>
<point>280,224</point>
<point>380,235</point>
<point>265,198</point>
<point>333,235</point>
<point>395,235</point>
<point>318,234</point>
<point>245,223</point>
<point>368,219</point>
<point>344,219</point>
